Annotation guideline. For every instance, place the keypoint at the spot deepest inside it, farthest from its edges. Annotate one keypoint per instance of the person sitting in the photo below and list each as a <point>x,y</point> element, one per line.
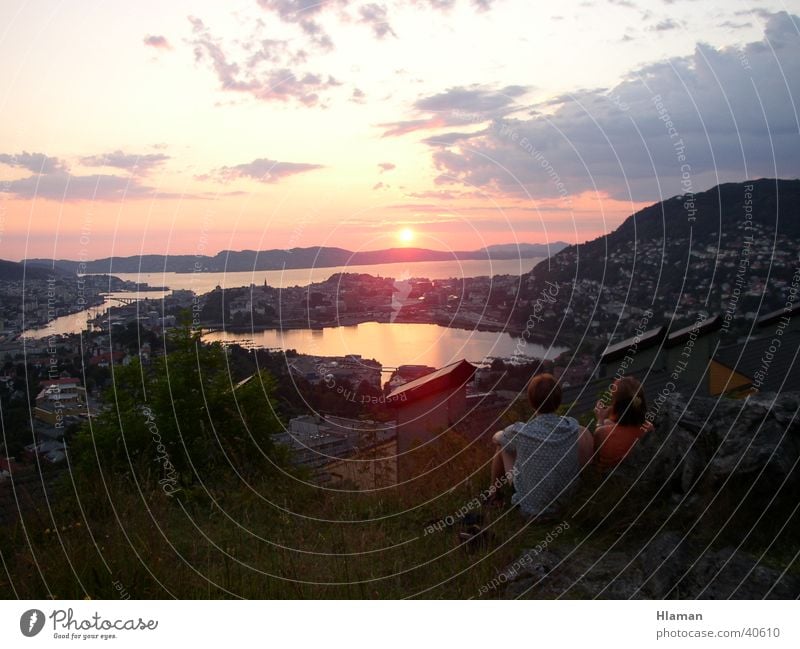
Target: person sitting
<point>621,424</point>
<point>542,457</point>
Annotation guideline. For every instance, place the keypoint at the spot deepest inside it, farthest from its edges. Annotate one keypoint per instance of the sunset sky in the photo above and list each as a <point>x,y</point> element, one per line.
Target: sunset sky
<point>192,127</point>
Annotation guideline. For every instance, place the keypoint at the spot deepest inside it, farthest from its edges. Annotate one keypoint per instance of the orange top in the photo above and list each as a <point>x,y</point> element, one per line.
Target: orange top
<point>613,442</point>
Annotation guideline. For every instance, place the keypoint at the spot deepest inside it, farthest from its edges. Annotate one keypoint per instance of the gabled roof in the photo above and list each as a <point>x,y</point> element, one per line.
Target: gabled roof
<point>774,316</point>
<point>770,371</point>
<point>647,339</point>
<point>447,377</point>
<point>699,328</point>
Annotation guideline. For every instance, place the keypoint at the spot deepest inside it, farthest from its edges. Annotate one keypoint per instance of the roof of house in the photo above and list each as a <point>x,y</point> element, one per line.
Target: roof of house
<point>774,316</point>
<point>61,381</point>
<point>581,399</point>
<point>771,370</point>
<point>647,339</point>
<point>449,376</point>
<point>699,329</point>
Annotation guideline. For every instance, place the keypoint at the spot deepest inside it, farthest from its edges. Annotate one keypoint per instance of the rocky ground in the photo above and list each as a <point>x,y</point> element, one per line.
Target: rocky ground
<point>706,507</point>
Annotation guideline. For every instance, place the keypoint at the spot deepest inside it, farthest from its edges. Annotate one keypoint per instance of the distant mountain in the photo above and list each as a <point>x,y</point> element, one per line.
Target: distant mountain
<point>12,271</point>
<point>514,250</point>
<point>729,250</point>
<point>315,257</point>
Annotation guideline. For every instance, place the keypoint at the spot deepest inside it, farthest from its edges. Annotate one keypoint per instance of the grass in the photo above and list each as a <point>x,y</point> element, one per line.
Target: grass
<point>280,537</point>
<point>276,538</point>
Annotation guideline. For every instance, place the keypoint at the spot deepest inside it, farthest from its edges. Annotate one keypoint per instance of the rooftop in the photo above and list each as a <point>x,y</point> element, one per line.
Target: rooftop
<point>449,376</point>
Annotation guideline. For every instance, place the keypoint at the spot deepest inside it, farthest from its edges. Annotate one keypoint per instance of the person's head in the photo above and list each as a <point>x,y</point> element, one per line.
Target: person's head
<point>628,403</point>
<point>544,393</point>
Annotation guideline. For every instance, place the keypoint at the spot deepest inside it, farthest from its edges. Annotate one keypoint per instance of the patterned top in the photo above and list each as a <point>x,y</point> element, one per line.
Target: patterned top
<point>546,464</point>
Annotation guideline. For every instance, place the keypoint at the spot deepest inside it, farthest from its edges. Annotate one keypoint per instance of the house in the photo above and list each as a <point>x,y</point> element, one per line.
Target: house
<point>426,408</point>
<point>642,351</point>
<point>60,398</point>
<point>765,361</point>
<point>692,359</point>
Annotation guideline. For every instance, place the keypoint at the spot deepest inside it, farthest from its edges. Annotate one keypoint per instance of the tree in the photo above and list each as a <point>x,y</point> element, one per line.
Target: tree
<point>183,418</point>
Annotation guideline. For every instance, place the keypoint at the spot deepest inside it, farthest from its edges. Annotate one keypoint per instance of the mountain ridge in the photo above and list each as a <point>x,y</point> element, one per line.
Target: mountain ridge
<point>294,258</point>
<point>731,248</point>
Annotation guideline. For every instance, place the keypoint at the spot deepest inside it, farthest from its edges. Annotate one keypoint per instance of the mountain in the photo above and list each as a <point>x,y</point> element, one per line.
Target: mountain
<point>730,250</point>
<point>12,271</point>
<point>514,250</point>
<point>276,259</point>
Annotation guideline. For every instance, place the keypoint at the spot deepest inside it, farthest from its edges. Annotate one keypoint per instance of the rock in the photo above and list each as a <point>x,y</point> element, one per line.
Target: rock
<point>731,574</point>
<point>664,561</point>
<point>709,472</point>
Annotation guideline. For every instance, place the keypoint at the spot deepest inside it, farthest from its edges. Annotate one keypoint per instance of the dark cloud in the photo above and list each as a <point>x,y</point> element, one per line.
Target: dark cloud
<point>135,163</point>
<point>358,96</point>
<point>156,41</point>
<point>665,25</point>
<point>53,180</point>
<point>37,163</point>
<point>375,16</point>
<point>680,125</point>
<point>307,14</point>
<point>303,13</point>
<point>262,169</point>
<point>275,84</point>
<point>61,186</point>
<point>447,139</point>
<point>459,106</point>
<point>729,24</point>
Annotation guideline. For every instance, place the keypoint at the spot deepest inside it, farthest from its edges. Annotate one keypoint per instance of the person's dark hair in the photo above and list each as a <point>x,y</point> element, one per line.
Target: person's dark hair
<point>544,393</point>
<point>628,402</point>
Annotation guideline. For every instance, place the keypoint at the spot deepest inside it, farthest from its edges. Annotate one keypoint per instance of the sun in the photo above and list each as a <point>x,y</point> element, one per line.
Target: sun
<point>406,236</point>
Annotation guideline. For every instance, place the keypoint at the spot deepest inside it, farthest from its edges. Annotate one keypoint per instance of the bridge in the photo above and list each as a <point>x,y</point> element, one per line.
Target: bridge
<point>124,300</point>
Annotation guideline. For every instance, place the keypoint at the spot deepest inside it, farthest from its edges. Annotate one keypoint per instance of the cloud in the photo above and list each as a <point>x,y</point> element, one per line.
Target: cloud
<point>304,13</point>
<point>375,16</point>
<point>133,162</point>
<point>308,15</point>
<point>379,186</point>
<point>52,179</point>
<point>447,139</point>
<point>37,163</point>
<point>61,186</point>
<point>277,83</point>
<point>665,25</point>
<point>262,169</point>
<point>157,41</point>
<point>386,166</point>
<point>729,24</point>
<point>683,124</point>
<point>358,96</point>
<point>459,106</point>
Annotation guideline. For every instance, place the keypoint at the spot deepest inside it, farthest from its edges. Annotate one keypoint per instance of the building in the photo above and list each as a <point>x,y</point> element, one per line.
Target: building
<point>426,408</point>
<point>316,442</point>
<point>58,399</point>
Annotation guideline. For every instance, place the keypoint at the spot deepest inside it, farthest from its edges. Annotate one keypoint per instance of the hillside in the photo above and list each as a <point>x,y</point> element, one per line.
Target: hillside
<point>731,249</point>
<point>276,259</point>
<point>13,271</point>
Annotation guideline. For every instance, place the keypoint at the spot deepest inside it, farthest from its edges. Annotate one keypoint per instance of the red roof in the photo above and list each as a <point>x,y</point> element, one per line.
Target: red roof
<point>62,381</point>
<point>450,376</point>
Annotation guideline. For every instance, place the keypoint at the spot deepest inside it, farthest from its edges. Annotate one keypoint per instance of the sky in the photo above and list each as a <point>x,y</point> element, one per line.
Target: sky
<point>191,127</point>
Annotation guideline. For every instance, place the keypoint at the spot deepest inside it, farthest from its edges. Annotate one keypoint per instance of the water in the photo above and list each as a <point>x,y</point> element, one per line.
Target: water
<point>205,282</point>
<point>394,344</point>
<point>76,322</point>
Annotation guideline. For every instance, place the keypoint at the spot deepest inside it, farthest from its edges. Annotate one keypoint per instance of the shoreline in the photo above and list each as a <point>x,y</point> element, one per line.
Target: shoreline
<point>513,331</point>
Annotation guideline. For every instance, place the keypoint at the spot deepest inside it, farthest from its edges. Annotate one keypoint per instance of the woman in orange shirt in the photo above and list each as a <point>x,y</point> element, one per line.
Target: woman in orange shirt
<point>622,424</point>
